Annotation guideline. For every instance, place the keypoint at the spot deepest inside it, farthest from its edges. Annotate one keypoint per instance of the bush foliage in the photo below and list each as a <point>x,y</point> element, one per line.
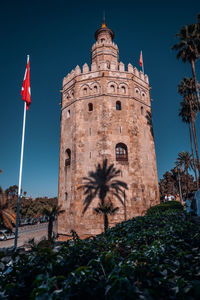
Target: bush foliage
<point>150,257</point>
<point>164,207</point>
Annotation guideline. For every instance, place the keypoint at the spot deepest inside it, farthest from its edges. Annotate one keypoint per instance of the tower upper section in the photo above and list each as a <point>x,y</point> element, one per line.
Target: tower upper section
<point>104,50</point>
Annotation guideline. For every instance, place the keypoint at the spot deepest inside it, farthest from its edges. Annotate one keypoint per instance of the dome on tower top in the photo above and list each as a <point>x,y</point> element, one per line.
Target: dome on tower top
<point>104,30</point>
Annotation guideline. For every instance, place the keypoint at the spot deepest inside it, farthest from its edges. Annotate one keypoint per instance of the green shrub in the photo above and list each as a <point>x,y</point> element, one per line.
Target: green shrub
<point>152,258</point>
<point>164,207</point>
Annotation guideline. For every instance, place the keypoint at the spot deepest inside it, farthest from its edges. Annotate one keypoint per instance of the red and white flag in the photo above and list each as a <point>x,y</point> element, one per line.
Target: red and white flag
<point>141,60</point>
<point>26,88</point>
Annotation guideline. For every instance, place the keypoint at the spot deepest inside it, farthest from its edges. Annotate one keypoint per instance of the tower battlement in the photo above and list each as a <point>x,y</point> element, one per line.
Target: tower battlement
<point>119,69</point>
<point>105,43</point>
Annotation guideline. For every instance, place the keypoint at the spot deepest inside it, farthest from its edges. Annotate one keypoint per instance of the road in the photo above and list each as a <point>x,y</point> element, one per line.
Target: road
<point>28,232</point>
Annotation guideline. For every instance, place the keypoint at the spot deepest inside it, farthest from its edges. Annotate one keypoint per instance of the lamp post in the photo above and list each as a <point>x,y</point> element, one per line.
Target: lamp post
<point>179,184</point>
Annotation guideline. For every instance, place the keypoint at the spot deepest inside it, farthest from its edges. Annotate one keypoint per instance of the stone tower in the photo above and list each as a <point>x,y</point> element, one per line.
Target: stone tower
<point>105,113</point>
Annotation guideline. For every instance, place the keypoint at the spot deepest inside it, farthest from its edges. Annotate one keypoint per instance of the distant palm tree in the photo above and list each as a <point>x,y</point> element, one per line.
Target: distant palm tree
<point>188,112</point>
<point>52,212</point>
<point>7,216</point>
<point>102,183</point>
<point>189,49</point>
<point>184,160</point>
<point>184,113</point>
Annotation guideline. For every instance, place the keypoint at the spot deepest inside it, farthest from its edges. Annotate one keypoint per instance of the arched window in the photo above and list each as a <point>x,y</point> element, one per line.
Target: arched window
<point>95,89</point>
<point>112,88</point>
<point>118,105</point>
<point>68,113</point>
<point>102,40</point>
<point>137,91</point>
<point>68,157</point>
<point>85,91</point>
<point>123,89</point>
<point>90,107</point>
<point>142,110</point>
<point>121,152</point>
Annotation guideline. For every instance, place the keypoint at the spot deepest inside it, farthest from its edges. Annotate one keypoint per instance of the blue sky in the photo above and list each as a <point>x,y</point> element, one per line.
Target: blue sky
<point>58,35</point>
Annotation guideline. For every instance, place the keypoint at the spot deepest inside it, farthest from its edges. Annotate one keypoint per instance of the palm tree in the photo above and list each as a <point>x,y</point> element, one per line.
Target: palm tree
<point>184,113</point>
<point>188,112</point>
<point>100,184</point>
<point>184,160</point>
<point>7,216</point>
<point>52,212</point>
<point>189,49</point>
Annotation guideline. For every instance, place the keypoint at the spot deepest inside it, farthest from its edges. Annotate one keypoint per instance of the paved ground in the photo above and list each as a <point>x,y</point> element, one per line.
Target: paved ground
<point>28,232</point>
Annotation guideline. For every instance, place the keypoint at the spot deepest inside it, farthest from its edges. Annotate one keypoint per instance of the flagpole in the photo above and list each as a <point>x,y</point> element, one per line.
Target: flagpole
<point>20,178</point>
<point>142,63</point>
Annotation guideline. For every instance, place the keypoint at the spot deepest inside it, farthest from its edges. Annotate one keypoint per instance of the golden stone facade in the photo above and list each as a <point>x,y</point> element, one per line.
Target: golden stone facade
<point>105,113</point>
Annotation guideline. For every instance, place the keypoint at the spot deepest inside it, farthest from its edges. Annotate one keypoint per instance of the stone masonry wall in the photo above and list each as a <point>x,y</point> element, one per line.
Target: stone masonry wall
<point>88,136</point>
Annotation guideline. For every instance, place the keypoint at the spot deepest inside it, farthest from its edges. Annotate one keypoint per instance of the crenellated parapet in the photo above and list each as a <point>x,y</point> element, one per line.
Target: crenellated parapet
<point>104,66</point>
<point>86,81</point>
<point>104,43</point>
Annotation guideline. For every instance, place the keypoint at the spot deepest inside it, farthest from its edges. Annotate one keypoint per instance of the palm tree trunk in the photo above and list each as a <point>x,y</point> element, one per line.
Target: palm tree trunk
<point>105,222</point>
<point>187,181</point>
<point>50,229</point>
<point>196,146</point>
<point>194,161</point>
<point>195,80</point>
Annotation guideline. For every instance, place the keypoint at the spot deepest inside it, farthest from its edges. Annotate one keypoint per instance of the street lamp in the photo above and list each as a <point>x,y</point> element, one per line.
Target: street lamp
<point>179,184</point>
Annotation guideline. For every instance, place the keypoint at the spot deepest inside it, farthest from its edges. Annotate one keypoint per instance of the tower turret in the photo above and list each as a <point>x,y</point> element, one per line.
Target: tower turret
<point>105,50</point>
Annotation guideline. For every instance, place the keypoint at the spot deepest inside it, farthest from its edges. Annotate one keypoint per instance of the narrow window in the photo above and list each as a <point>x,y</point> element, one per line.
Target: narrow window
<point>85,91</point>
<point>118,105</point>
<point>90,131</point>
<point>142,110</point>
<point>90,154</point>
<point>95,89</point>
<point>102,40</point>
<point>90,107</point>
<point>67,157</point>
<point>123,90</point>
<point>112,88</point>
<point>120,129</point>
<point>68,113</point>
<point>66,196</point>
<point>121,152</point>
<point>108,64</point>
<point>137,91</point>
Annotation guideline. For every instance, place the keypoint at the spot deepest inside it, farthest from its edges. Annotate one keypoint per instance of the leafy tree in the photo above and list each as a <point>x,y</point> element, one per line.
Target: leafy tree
<point>100,184</point>
<point>169,183</point>
<point>7,216</point>
<point>12,192</point>
<point>189,49</point>
<point>52,212</point>
<point>29,208</point>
